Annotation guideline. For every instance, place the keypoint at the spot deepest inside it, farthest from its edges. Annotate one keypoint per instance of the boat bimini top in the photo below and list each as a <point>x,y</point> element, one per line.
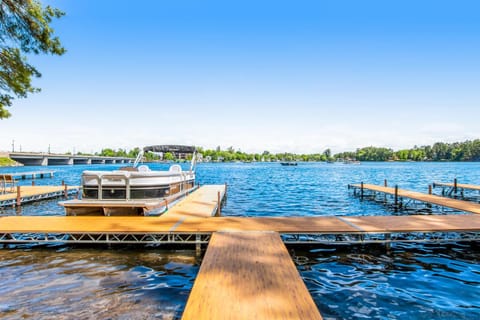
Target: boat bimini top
<point>164,148</point>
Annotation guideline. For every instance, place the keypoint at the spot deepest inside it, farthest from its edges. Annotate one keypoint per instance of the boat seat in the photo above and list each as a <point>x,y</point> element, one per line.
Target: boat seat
<point>128,169</point>
<point>143,168</point>
<point>175,168</point>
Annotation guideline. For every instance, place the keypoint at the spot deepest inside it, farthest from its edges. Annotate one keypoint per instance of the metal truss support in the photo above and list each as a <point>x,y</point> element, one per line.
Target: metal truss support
<point>203,238</point>
<point>380,238</point>
<point>106,238</point>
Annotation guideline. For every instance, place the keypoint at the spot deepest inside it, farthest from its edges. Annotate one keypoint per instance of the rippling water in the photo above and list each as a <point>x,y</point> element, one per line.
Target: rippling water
<point>407,282</point>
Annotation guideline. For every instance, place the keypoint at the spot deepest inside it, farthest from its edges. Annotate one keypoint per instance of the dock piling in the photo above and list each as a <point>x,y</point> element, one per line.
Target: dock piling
<point>388,239</point>
<point>385,184</point>
<point>198,245</point>
<point>455,186</point>
<point>361,190</point>
<point>429,189</point>
<point>396,198</point>
<point>19,198</point>
<point>219,205</point>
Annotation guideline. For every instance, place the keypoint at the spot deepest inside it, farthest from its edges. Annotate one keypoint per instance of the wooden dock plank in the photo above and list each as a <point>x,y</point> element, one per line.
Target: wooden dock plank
<point>201,203</point>
<point>459,185</point>
<point>420,223</point>
<point>85,224</point>
<point>326,225</point>
<point>279,224</point>
<point>249,275</point>
<point>31,174</point>
<point>30,191</point>
<point>456,204</point>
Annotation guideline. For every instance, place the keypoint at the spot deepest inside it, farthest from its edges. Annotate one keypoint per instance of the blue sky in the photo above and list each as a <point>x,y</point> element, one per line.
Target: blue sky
<point>298,76</point>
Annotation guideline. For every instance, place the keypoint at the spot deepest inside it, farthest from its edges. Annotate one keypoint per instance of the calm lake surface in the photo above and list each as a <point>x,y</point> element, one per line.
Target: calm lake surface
<point>409,281</point>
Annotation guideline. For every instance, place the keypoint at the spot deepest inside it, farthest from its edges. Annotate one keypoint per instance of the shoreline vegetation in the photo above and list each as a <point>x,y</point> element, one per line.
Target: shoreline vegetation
<point>457,151</point>
<point>7,162</point>
<point>440,151</point>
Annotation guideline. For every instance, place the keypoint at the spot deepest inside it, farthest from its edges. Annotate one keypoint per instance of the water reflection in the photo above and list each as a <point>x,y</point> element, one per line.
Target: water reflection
<point>74,283</point>
<point>432,282</point>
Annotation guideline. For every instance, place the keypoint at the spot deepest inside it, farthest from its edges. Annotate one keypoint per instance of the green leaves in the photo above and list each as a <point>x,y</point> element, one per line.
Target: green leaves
<point>24,28</point>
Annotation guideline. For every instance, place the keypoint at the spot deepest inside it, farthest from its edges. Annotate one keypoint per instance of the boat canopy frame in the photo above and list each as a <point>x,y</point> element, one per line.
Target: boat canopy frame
<point>172,148</point>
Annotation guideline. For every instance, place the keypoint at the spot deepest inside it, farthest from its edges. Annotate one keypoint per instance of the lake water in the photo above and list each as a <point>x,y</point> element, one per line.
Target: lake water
<point>409,281</point>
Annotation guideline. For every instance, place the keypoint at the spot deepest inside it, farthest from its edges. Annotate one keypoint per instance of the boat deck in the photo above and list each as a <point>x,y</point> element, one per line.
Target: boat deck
<point>249,275</point>
<point>455,204</point>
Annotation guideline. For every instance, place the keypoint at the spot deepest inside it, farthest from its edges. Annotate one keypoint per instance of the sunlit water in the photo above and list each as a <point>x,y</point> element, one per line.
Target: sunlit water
<point>362,282</point>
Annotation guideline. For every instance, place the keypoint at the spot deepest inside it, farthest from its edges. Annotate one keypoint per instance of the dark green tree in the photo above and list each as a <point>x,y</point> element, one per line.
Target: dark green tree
<point>24,29</point>
<point>168,156</point>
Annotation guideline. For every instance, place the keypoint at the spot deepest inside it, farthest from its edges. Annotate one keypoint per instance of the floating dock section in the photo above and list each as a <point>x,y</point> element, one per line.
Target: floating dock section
<point>249,275</point>
<point>456,189</point>
<point>398,196</point>
<point>203,203</point>
<point>30,174</point>
<point>24,194</point>
<point>194,230</point>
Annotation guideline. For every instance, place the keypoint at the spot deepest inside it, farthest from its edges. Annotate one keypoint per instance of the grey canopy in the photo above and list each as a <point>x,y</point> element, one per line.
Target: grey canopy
<point>170,148</point>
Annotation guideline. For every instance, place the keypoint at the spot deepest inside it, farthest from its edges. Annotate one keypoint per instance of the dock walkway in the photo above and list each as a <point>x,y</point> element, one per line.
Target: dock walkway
<point>30,174</point>
<point>34,193</point>
<point>249,275</point>
<point>203,203</point>
<point>464,191</point>
<point>455,204</point>
<point>457,185</point>
<point>174,229</point>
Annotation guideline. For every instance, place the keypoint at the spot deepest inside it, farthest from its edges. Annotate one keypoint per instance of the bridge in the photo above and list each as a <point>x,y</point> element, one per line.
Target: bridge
<point>53,159</point>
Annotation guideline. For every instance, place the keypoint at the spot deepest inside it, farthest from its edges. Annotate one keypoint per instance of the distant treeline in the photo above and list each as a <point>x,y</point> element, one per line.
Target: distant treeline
<point>440,151</point>
<point>108,152</point>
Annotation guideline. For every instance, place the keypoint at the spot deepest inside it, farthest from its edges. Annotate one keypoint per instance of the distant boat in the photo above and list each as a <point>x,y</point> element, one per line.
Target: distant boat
<point>289,163</point>
<point>350,161</point>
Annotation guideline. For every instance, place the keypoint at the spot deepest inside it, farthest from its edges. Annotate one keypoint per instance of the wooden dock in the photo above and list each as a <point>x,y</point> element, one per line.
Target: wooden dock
<point>284,225</point>
<point>203,203</point>
<point>459,190</point>
<point>24,194</point>
<point>31,174</point>
<point>455,204</point>
<point>249,275</point>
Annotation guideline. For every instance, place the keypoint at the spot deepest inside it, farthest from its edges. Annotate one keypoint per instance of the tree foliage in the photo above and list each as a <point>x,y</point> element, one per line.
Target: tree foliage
<point>440,151</point>
<point>457,151</point>
<point>24,29</point>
